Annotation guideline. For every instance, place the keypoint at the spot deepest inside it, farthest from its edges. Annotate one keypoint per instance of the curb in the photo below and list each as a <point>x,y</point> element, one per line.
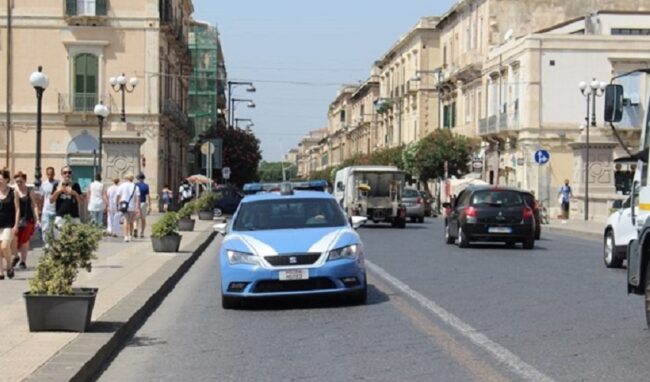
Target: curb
<point>574,233</point>
<point>86,356</point>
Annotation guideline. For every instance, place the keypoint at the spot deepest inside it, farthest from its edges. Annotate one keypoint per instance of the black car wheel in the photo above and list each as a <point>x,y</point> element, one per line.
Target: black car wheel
<point>359,297</point>
<point>463,241</point>
<point>610,257</point>
<point>529,243</point>
<point>538,233</point>
<point>449,239</point>
<point>647,295</point>
<point>401,223</point>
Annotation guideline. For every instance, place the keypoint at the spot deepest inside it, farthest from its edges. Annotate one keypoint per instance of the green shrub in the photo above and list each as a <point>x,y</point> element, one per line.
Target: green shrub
<point>166,226</point>
<point>187,210</point>
<point>72,248</point>
<point>206,201</point>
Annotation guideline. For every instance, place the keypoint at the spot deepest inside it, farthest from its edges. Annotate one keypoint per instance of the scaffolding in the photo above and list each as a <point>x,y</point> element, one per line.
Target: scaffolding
<point>204,84</point>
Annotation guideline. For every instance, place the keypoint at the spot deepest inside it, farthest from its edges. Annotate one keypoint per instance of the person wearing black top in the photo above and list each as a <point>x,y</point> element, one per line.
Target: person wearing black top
<point>29,220</point>
<point>9,216</point>
<point>67,198</point>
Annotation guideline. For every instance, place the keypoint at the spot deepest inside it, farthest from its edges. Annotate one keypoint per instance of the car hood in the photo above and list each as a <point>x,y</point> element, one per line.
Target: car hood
<point>275,242</point>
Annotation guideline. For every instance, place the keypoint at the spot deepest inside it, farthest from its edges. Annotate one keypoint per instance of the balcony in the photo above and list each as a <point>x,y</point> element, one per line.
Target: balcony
<point>502,123</point>
<point>86,12</point>
<point>81,103</point>
<point>176,115</point>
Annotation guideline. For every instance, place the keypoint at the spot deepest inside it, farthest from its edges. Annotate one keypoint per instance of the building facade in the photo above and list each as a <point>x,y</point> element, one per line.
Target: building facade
<point>81,44</point>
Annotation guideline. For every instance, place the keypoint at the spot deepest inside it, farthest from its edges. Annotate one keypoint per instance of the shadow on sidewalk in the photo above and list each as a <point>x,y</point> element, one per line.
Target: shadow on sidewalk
<point>104,327</point>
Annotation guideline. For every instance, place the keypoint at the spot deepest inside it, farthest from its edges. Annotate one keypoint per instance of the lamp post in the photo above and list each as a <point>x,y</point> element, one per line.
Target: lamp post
<point>40,82</point>
<point>231,86</point>
<point>101,111</point>
<point>233,101</point>
<point>119,85</point>
<point>590,92</point>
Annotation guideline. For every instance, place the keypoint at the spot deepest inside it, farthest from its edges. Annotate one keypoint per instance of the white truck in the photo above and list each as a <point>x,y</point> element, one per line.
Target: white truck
<point>374,192</point>
<point>638,249</point>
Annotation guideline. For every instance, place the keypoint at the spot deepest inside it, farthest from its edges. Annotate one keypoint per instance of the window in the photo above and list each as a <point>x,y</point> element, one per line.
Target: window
<point>86,7</point>
<point>468,108</point>
<point>631,31</point>
<point>289,214</point>
<point>449,115</point>
<point>85,82</point>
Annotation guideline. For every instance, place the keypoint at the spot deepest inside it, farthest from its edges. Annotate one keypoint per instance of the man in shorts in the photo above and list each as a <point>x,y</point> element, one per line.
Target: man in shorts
<point>128,203</point>
<point>145,205</point>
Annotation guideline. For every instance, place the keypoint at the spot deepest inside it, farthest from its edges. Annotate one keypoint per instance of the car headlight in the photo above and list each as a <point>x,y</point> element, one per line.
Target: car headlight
<point>235,257</point>
<point>349,252</point>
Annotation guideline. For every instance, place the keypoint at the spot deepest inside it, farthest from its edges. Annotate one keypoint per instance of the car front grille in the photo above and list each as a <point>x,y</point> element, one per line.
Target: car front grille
<point>275,286</point>
<point>293,259</point>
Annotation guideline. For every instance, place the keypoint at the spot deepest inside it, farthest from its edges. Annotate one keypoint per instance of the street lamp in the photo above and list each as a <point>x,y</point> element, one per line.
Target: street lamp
<point>40,82</point>
<point>590,92</point>
<point>231,85</point>
<point>119,85</point>
<point>101,111</point>
<point>233,101</point>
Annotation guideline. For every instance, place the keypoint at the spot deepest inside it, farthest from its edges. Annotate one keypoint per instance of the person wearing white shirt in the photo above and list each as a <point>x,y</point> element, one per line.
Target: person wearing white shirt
<point>49,212</point>
<point>96,203</point>
<point>113,218</point>
<point>128,202</point>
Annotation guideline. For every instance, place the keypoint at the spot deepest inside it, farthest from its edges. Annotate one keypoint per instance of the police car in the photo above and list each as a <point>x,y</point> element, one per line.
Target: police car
<point>291,243</point>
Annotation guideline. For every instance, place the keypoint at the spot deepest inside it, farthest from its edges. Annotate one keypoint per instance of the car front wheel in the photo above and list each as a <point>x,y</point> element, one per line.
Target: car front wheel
<point>228,302</point>
<point>529,243</point>
<point>609,252</point>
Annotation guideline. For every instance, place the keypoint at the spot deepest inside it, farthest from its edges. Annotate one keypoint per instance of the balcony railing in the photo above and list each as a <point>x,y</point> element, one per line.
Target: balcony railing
<point>492,124</point>
<point>482,126</point>
<point>82,103</point>
<point>86,8</point>
<point>497,124</point>
<point>174,112</point>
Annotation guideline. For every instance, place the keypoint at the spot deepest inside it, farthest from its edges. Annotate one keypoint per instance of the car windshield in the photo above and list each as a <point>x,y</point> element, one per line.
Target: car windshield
<point>497,198</point>
<point>289,214</point>
<point>410,194</point>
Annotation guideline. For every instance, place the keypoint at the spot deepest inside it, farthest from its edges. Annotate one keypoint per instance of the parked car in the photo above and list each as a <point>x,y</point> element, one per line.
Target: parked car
<point>530,200</point>
<point>487,213</point>
<point>414,203</point>
<point>291,244</point>
<point>229,198</point>
<point>428,203</point>
<point>619,232</point>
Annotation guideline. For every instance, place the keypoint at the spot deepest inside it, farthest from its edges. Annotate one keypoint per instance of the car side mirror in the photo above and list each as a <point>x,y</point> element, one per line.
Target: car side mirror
<point>340,186</point>
<point>358,221</point>
<point>221,228</point>
<point>446,205</point>
<point>617,204</point>
<point>613,103</point>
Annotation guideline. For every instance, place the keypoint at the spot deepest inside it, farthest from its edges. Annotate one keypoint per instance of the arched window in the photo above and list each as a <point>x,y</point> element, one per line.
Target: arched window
<point>85,82</point>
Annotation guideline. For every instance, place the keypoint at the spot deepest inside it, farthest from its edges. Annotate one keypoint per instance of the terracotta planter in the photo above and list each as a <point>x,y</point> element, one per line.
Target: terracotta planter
<point>169,243</point>
<point>60,312</point>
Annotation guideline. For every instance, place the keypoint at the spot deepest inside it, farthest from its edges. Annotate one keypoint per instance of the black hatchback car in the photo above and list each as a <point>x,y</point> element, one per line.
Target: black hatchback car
<point>529,198</point>
<point>488,213</point>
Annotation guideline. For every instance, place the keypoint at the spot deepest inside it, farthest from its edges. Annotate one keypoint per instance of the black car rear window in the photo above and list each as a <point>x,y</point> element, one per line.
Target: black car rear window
<point>497,198</point>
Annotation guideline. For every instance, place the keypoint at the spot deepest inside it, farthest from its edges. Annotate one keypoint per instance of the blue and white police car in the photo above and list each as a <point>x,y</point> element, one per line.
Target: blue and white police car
<point>291,243</point>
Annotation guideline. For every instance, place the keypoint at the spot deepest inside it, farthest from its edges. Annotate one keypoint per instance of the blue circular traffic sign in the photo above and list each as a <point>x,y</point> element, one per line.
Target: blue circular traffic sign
<point>542,156</point>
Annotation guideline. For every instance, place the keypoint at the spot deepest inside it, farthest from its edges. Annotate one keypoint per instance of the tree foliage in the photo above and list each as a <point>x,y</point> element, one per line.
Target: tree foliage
<point>439,147</point>
<point>272,171</point>
<point>241,152</point>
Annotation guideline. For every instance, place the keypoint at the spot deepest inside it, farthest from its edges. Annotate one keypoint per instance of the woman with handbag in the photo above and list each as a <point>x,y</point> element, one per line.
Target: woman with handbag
<point>28,220</point>
<point>9,213</point>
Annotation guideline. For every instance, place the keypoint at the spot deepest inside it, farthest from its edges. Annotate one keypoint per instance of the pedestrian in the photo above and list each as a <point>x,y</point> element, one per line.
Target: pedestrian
<point>145,205</point>
<point>27,222</point>
<point>128,203</point>
<point>185,193</point>
<point>48,209</point>
<point>66,198</point>
<point>565,196</point>
<point>96,202</point>
<point>167,197</point>
<point>9,215</point>
<point>113,214</point>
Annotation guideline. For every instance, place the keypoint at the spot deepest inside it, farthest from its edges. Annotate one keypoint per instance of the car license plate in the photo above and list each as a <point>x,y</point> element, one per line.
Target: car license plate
<point>294,274</point>
<point>500,230</point>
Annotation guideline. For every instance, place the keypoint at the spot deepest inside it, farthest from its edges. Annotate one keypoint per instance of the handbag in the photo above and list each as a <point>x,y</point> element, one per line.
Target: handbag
<point>124,205</point>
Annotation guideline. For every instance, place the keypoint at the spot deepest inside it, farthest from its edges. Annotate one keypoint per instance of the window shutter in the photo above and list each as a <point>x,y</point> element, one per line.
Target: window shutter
<point>101,7</point>
<point>71,7</point>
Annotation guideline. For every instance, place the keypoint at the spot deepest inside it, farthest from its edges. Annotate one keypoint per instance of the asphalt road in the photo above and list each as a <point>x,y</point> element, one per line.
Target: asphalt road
<point>435,313</point>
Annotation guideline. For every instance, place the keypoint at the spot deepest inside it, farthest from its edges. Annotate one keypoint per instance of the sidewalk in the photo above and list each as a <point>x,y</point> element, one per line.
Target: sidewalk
<point>120,270</point>
<point>587,229</point>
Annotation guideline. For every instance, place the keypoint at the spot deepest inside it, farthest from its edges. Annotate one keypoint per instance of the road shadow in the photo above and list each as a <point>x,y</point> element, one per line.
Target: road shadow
<point>500,246</point>
<point>388,226</point>
<point>145,342</point>
<point>375,296</point>
<point>107,266</point>
<point>104,326</point>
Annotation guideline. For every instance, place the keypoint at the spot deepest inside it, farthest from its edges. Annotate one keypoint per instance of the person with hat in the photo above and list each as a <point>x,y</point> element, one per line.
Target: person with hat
<point>128,203</point>
<point>113,211</point>
<point>145,205</point>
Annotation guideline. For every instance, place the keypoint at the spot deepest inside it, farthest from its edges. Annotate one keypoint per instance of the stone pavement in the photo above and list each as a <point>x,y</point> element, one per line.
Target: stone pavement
<point>121,269</point>
<point>586,229</point>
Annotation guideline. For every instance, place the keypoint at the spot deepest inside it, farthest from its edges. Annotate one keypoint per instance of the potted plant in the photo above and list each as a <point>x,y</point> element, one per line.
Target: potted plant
<point>185,221</point>
<point>164,235</point>
<point>205,206</point>
<point>52,303</point>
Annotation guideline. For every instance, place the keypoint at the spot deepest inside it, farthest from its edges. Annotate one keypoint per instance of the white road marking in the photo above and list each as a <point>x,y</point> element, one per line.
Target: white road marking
<point>503,355</point>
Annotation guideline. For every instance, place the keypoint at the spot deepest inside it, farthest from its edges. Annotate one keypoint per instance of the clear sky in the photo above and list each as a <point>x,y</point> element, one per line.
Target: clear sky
<point>299,52</point>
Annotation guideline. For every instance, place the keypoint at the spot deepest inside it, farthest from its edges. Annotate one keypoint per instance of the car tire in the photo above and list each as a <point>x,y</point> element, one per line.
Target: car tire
<point>401,223</point>
<point>448,238</point>
<point>647,296</point>
<point>529,243</point>
<point>610,258</point>
<point>463,241</point>
<point>228,302</point>
<point>510,244</point>
<point>421,219</point>
<point>218,212</point>
<point>359,297</point>
<point>538,233</point>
